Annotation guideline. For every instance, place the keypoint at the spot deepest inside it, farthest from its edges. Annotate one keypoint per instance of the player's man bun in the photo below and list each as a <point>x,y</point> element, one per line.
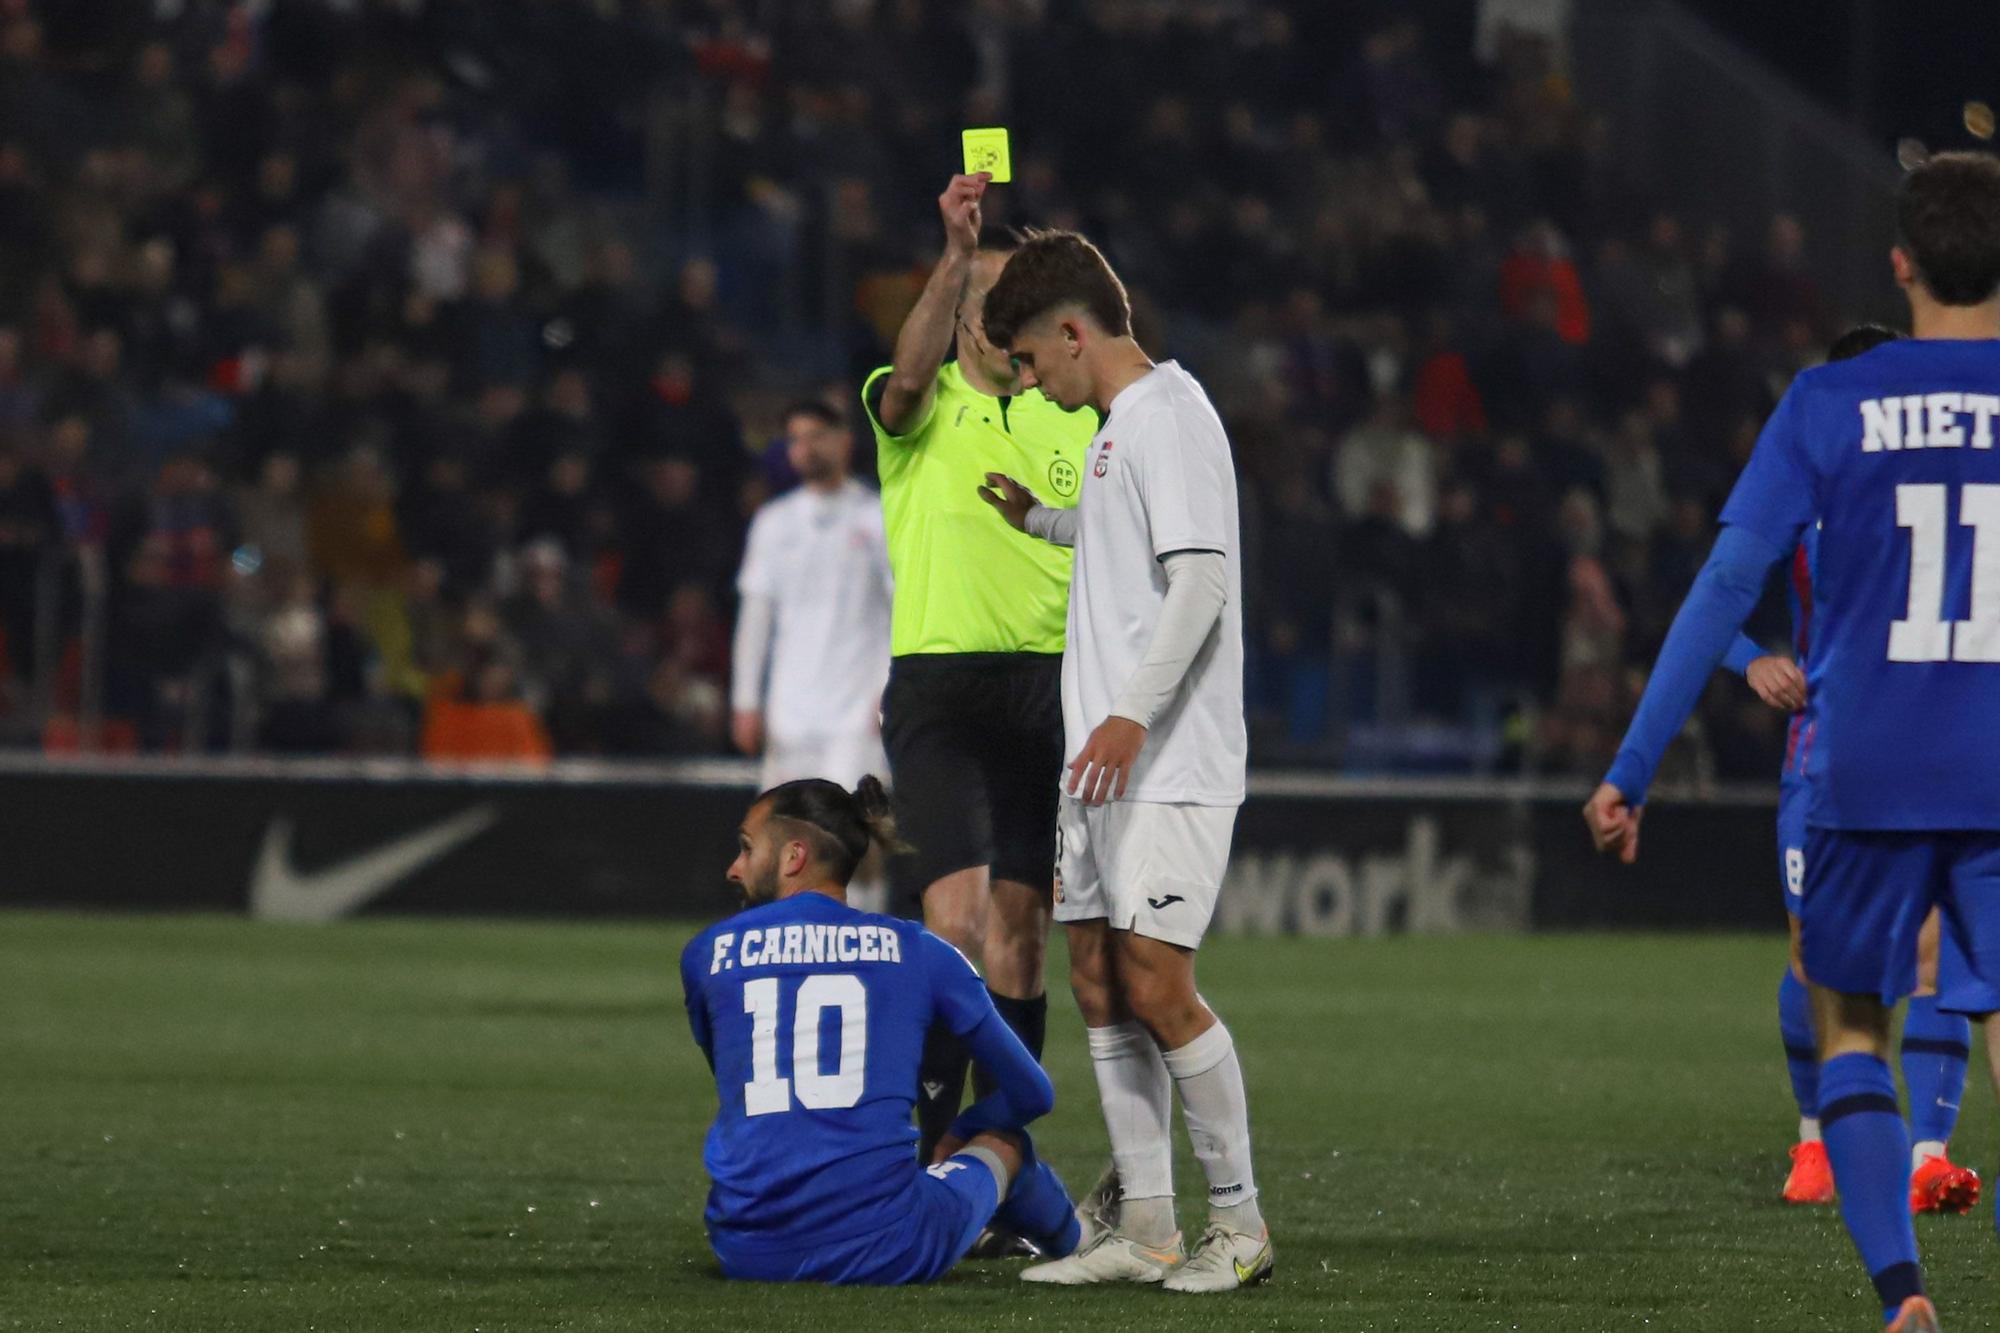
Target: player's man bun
<point>839,825</point>
<point>1050,269</point>
<point>876,814</point>
<point>1948,222</point>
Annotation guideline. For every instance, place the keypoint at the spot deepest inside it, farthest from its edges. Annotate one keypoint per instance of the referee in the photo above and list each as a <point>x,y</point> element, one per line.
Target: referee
<point>972,718</point>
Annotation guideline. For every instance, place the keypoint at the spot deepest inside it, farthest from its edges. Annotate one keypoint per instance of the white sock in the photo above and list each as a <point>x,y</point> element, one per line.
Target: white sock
<point>1808,1129</point>
<point>1928,1148</point>
<point>868,895</point>
<point>1210,1081</point>
<point>1137,1096</point>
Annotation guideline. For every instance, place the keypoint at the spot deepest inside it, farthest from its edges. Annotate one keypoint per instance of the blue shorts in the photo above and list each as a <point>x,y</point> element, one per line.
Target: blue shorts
<point>1794,797</point>
<point>1960,989</point>
<point>1866,897</point>
<point>945,1209</point>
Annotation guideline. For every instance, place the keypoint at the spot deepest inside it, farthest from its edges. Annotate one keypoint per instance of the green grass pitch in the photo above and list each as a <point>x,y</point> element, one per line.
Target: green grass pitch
<point>214,1125</point>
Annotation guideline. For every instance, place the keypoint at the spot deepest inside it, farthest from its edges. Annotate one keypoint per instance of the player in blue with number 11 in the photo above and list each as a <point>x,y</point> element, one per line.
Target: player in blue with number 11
<point>1893,453</point>
<point>813,1016</point>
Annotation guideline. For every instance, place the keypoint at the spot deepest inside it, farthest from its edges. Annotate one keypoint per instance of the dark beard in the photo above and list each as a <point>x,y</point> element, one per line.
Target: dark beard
<point>760,891</point>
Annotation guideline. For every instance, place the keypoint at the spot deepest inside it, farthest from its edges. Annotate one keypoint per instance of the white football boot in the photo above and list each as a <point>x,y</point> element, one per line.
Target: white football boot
<point>1111,1258</point>
<point>1223,1260</point>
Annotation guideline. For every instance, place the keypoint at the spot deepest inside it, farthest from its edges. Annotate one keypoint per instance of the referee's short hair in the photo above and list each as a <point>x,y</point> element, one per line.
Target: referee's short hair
<point>1051,269</point>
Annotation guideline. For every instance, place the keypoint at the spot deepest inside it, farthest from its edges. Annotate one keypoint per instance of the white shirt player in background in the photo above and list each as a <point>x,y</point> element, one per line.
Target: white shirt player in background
<point>1153,723</point>
<point>811,655</point>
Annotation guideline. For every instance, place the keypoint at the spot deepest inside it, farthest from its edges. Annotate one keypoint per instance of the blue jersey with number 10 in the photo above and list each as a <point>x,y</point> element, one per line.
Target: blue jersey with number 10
<point>813,1017</point>
<point>1893,451</point>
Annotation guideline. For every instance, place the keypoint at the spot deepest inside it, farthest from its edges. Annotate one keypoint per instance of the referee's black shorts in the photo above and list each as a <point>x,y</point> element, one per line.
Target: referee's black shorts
<point>975,744</point>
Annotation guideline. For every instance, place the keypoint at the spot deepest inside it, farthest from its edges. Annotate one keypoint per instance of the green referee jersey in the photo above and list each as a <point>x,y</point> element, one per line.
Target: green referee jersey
<point>965,581</point>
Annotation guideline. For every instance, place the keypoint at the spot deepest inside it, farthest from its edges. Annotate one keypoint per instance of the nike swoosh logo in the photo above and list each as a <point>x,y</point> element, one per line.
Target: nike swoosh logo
<point>279,892</point>
<point>1167,901</point>
<point>1245,1274</point>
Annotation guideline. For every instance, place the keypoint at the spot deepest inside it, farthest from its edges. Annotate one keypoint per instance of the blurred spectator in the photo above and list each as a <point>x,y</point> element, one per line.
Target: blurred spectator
<point>1539,268</point>
<point>172,549</point>
<point>1777,286</point>
<point>29,534</point>
<point>1470,631</point>
<point>1634,482</point>
<point>293,638</point>
<point>676,535</point>
<point>488,723</point>
<point>1385,464</point>
<point>568,646</point>
<point>1445,402</point>
<point>478,343</point>
<point>1299,537</point>
<point>272,515</point>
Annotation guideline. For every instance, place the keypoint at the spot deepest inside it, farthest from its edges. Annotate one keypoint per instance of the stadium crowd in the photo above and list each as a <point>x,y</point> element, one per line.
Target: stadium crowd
<point>401,376</point>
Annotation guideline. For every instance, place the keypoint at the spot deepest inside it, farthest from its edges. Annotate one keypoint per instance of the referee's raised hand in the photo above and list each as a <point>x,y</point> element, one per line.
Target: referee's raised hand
<point>960,206</point>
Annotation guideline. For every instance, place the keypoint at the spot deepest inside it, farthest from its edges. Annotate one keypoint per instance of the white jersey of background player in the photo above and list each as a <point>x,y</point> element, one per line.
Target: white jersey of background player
<point>811,654</point>
<point>1153,723</point>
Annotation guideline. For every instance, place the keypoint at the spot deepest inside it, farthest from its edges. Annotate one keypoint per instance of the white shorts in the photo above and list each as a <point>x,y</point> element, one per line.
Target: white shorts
<point>1144,866</point>
<point>841,758</point>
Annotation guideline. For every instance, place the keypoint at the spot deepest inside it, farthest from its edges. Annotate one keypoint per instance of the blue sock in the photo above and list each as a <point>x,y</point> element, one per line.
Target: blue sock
<point>1801,1054</point>
<point>1935,1049</point>
<point>1870,1150</point>
<point>1039,1209</point>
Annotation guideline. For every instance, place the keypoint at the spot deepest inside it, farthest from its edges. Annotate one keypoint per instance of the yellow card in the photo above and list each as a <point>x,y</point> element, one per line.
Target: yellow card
<point>986,150</point>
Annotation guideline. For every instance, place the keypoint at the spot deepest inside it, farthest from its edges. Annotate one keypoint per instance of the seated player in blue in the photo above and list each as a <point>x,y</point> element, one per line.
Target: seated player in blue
<point>1936,1042</point>
<point>812,1016</point>
<point>1892,454</point>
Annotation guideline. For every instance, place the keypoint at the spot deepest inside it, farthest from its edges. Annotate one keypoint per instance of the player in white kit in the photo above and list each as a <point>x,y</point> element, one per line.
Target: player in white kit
<point>1153,723</point>
<point>812,633</point>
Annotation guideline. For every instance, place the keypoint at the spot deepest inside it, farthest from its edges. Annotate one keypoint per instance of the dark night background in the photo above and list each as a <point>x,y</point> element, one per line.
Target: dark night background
<point>1911,67</point>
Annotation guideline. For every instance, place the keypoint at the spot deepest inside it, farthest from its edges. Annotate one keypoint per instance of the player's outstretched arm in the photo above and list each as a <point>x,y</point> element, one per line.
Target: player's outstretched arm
<point>927,332</point>
<point>960,1001</point>
<point>1724,594</point>
<point>1023,511</point>
<point>1022,1091</point>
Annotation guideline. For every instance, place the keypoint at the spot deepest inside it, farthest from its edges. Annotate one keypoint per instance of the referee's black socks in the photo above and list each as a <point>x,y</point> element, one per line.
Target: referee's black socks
<point>941,1073</point>
<point>1030,1021</point>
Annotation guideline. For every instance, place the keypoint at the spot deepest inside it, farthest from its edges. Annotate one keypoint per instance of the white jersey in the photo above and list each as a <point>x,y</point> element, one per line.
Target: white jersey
<point>1159,479</point>
<point>821,563</point>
